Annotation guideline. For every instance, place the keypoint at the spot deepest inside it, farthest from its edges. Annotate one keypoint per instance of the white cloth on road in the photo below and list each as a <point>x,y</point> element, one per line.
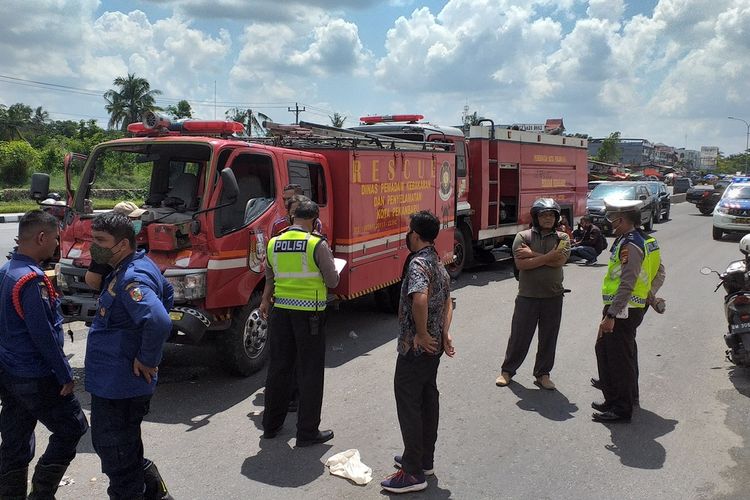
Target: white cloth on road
<point>349,465</point>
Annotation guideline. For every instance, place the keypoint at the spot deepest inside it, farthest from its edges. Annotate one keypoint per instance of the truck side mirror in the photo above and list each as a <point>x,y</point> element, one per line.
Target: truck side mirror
<point>230,188</point>
<point>40,186</point>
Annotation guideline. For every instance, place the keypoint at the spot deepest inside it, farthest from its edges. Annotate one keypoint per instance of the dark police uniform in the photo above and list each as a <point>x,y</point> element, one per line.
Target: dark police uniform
<point>301,266</point>
<point>132,320</point>
<point>33,369</point>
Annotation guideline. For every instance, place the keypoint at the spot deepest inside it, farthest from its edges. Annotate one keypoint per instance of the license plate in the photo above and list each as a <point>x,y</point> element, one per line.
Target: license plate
<point>740,328</point>
<point>741,220</point>
<point>175,315</point>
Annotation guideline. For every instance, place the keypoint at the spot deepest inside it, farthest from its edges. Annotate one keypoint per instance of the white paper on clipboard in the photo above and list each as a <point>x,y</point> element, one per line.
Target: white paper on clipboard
<point>340,264</point>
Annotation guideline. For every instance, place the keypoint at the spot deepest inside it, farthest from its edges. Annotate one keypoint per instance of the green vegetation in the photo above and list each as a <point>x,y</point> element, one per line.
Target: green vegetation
<point>610,152</point>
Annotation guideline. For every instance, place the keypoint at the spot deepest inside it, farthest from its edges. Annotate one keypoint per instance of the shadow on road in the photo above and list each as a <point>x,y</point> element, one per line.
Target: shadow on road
<point>484,274</point>
<point>552,405</point>
<point>279,464</point>
<point>636,444</point>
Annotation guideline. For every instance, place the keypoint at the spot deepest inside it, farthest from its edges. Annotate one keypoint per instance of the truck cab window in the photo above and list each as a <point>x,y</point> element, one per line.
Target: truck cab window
<point>310,176</point>
<point>254,174</point>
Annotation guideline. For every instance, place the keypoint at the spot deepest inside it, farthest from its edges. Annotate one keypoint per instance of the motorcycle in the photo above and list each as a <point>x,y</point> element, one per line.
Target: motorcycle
<point>736,282</point>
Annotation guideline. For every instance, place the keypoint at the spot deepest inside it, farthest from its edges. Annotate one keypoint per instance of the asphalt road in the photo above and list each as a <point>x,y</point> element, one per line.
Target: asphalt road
<point>688,440</point>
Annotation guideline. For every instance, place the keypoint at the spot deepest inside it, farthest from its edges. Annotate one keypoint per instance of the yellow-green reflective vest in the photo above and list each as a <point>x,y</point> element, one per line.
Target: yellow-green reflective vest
<point>298,283</point>
<point>649,268</point>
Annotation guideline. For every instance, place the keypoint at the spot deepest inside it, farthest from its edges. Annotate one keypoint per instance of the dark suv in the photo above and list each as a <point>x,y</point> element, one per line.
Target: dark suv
<point>621,190</point>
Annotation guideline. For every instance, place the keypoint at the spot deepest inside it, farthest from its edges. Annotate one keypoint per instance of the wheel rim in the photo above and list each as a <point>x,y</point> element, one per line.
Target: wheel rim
<point>458,256</point>
<point>254,335</point>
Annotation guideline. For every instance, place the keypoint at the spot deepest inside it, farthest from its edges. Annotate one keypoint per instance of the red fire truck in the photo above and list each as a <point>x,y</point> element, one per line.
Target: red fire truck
<point>213,199</point>
<point>499,174</point>
<point>214,196</point>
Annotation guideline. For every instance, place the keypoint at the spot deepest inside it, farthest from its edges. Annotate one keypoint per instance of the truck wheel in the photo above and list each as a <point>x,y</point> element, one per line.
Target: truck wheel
<point>387,298</point>
<point>648,226</point>
<point>718,233</point>
<point>245,344</point>
<point>462,252</point>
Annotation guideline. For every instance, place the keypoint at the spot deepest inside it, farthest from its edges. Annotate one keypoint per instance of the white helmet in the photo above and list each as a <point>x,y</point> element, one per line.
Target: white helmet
<point>745,244</point>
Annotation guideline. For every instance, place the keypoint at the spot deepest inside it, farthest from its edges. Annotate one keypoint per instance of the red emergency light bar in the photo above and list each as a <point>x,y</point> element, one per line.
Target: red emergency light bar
<point>189,127</point>
<point>369,120</point>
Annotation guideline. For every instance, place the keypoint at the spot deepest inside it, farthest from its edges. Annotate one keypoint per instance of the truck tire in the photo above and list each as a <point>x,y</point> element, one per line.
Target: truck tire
<point>705,210</point>
<point>718,233</point>
<point>387,298</point>
<point>245,344</point>
<point>462,251</point>
<point>649,226</point>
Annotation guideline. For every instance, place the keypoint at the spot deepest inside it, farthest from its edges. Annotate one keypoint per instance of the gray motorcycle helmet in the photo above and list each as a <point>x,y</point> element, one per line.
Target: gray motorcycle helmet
<point>544,205</point>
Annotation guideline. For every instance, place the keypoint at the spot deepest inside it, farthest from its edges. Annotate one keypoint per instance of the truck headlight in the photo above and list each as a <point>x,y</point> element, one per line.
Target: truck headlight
<point>722,210</point>
<point>188,286</point>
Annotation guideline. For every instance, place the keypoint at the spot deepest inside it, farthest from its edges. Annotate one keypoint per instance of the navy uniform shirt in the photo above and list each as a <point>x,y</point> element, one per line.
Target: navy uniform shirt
<point>32,345</point>
<point>132,320</point>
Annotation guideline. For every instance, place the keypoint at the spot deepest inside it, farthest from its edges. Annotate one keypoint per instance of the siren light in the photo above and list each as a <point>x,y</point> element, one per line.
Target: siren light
<point>369,120</point>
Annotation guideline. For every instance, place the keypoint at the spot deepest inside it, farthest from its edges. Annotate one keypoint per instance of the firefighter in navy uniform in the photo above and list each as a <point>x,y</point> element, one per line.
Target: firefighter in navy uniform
<point>36,381</point>
<point>299,271</point>
<point>634,275</point>
<point>123,352</point>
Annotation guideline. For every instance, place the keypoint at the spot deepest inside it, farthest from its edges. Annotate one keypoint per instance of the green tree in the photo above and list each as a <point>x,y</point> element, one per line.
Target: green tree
<point>337,120</point>
<point>610,151</point>
<point>40,118</point>
<point>182,110</point>
<point>17,160</point>
<point>129,101</point>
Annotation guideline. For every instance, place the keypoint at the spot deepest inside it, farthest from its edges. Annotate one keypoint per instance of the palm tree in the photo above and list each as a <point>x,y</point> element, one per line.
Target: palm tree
<point>40,117</point>
<point>337,120</point>
<point>127,104</point>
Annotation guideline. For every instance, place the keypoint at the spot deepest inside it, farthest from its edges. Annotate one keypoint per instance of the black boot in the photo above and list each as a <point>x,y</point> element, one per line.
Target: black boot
<point>45,481</point>
<point>155,487</point>
<point>13,484</point>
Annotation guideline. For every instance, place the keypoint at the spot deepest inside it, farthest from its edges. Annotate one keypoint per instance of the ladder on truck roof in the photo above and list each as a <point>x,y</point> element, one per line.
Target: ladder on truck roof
<point>317,135</point>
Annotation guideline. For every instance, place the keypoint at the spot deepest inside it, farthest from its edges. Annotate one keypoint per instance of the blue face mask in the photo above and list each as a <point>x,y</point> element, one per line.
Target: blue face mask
<point>137,226</point>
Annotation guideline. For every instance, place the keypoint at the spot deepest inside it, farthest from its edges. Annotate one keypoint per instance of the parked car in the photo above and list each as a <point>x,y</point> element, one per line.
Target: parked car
<point>621,190</point>
<point>663,200</point>
<point>593,184</point>
<point>732,213</point>
<point>681,185</point>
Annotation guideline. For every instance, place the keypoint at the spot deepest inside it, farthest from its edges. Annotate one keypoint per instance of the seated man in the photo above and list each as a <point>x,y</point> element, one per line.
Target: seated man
<point>588,241</point>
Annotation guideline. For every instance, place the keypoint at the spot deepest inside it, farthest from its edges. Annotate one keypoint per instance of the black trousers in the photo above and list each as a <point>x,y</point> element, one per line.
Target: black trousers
<point>418,409</point>
<point>617,360</point>
<point>26,401</point>
<point>295,349</point>
<point>116,436</point>
<point>529,313</point>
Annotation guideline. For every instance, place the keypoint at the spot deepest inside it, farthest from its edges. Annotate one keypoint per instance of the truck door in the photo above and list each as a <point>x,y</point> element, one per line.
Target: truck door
<point>239,228</point>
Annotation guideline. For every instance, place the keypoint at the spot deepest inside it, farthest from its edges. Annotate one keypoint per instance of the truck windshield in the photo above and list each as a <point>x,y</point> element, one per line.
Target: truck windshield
<point>162,177</point>
<point>615,191</point>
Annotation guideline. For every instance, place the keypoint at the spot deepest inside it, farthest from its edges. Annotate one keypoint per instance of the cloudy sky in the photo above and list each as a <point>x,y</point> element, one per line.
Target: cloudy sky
<point>667,70</point>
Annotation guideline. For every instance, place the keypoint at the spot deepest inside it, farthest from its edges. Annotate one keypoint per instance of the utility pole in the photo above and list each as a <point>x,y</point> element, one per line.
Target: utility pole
<point>747,140</point>
<point>297,110</point>
<point>250,122</point>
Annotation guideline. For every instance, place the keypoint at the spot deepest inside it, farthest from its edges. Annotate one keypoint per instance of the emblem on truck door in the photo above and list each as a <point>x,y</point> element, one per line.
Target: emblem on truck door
<point>446,186</point>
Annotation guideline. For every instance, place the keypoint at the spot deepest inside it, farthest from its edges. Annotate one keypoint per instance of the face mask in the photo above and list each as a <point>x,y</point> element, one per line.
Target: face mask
<point>137,226</point>
<point>100,254</point>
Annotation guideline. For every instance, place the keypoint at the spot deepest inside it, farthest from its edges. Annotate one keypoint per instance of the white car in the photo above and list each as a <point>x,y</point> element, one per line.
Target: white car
<point>732,213</point>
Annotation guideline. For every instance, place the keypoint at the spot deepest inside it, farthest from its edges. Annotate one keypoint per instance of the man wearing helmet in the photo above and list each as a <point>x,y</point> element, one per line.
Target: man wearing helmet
<point>634,275</point>
<point>539,254</point>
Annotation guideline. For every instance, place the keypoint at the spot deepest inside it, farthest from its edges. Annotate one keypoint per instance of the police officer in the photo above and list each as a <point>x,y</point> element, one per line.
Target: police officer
<point>36,382</point>
<point>634,275</point>
<point>123,352</point>
<point>299,270</point>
